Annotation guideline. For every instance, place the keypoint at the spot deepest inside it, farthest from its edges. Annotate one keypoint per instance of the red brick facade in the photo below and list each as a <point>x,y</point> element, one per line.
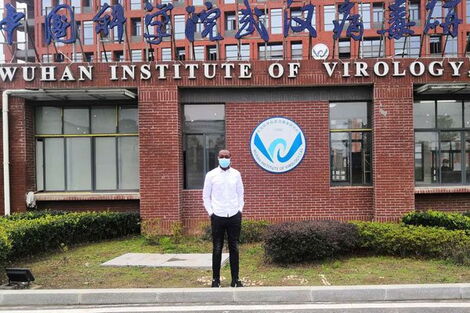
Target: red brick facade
<point>303,193</point>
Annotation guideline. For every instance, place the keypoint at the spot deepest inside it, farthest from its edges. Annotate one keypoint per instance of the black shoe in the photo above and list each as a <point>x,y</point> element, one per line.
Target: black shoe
<point>236,283</point>
<point>215,283</point>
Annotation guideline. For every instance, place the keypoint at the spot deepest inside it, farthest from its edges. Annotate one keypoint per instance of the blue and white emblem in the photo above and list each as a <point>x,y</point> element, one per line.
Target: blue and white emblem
<point>277,145</point>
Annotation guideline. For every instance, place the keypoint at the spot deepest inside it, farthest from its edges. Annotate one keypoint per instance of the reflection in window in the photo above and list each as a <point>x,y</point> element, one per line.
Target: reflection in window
<point>87,148</point>
<point>204,137</point>
<point>350,144</point>
<point>441,132</point>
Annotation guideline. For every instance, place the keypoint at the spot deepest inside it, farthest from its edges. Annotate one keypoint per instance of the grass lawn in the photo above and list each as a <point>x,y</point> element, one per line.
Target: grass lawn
<point>79,267</point>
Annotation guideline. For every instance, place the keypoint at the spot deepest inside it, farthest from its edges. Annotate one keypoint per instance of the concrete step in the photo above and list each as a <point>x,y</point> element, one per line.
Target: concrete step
<point>413,307</point>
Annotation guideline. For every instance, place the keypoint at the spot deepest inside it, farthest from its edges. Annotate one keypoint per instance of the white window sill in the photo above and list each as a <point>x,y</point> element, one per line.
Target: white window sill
<point>442,189</point>
<point>85,196</point>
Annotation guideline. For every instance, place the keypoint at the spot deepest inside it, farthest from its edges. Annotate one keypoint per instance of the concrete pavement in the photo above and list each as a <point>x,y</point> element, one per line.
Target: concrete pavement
<point>237,296</point>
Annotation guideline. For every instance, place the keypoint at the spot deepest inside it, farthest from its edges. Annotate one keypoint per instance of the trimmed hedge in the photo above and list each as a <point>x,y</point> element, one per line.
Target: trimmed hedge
<point>451,221</point>
<point>467,213</point>
<point>31,215</point>
<point>252,231</point>
<point>297,242</point>
<point>29,236</point>
<point>410,240</point>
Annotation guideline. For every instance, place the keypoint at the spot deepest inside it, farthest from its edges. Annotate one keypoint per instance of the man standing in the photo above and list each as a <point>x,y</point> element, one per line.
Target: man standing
<point>223,200</point>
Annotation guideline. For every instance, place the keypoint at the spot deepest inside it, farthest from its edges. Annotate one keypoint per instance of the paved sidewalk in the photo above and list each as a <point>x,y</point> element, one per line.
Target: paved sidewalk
<point>238,296</point>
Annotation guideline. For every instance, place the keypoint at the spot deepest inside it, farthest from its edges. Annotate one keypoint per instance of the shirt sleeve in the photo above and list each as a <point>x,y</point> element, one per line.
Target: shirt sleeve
<point>206,194</point>
<point>240,193</point>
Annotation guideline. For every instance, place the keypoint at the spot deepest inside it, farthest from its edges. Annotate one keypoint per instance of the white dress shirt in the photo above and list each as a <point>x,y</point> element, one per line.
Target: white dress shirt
<point>223,192</point>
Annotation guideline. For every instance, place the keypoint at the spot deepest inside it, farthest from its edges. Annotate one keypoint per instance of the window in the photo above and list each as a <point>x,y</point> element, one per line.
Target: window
<point>350,143</point>
<point>118,56</point>
<point>232,53</point>
<point>106,57</point>
<point>204,137</point>
<point>46,7</point>
<point>211,53</point>
<point>330,16</point>
<point>407,47</point>
<point>136,4</point>
<point>180,54</point>
<point>87,148</point>
<point>344,49</point>
<point>297,12</point>
<point>467,7</point>
<point>199,53</point>
<point>166,54</point>
<point>364,11</point>
<point>47,58</point>
<point>230,21</point>
<point>179,27</point>
<point>136,55</point>
<point>435,45</point>
<point>414,12</point>
<point>276,21</point>
<point>442,142</point>
<point>451,47</point>
<point>372,48</point>
<point>88,32</point>
<point>377,15</point>
<point>136,27</point>
<point>296,51</point>
<point>76,6</point>
<point>271,51</point>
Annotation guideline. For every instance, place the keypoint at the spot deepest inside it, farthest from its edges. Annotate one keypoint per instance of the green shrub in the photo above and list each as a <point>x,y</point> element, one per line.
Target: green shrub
<point>467,213</point>
<point>31,215</point>
<point>296,242</point>
<point>252,231</point>
<point>410,240</point>
<point>32,236</point>
<point>451,221</point>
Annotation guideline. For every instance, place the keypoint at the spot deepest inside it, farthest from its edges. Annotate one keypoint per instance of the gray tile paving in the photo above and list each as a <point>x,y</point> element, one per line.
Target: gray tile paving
<point>181,260</point>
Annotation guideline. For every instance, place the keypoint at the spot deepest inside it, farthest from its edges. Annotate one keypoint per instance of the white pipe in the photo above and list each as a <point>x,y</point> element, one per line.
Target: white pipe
<point>6,154</point>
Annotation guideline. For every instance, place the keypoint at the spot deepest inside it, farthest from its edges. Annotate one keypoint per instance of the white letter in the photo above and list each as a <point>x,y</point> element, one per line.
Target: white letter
<point>161,68</point>
<point>245,71</point>
<point>228,69</point>
<point>294,70</point>
<point>361,69</point>
<point>192,68</point>
<point>385,71</point>
<point>328,67</point>
<point>128,71</point>
<point>396,69</point>
<point>206,70</point>
<point>7,72</point>
<point>280,70</point>
<point>48,73</point>
<point>456,68</point>
<point>346,69</point>
<point>145,72</point>
<point>67,75</point>
<point>25,73</point>
<point>413,68</point>
<point>432,68</point>
<point>86,71</point>
<point>176,68</point>
<point>114,72</point>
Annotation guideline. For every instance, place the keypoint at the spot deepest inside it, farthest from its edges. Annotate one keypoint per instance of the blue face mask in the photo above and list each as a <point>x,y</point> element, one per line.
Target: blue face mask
<point>224,163</point>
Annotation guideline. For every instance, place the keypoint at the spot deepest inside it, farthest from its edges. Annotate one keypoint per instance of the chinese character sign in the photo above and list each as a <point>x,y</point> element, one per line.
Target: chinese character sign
<point>60,25</point>
<point>105,21</point>
<point>298,24</point>
<point>11,22</point>
<point>251,21</point>
<point>208,18</point>
<point>355,29</point>
<point>157,24</point>
<point>398,24</point>
<point>450,26</point>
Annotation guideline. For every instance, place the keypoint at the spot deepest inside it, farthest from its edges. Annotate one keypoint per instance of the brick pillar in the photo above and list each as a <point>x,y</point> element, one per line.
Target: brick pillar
<point>161,160</point>
<point>393,151</point>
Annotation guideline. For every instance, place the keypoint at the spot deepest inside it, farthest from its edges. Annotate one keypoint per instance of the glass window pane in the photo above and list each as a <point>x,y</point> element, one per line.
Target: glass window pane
<point>78,163</point>
<point>349,115</point>
<point>214,143</point>
<point>48,120</point>
<point>40,164</point>
<point>467,114</point>
<point>339,155</point>
<point>128,120</point>
<point>426,152</point>
<point>54,164</point>
<point>103,119</point>
<point>204,118</point>
<point>360,158</point>
<point>449,114</point>
<point>128,162</point>
<point>105,163</point>
<point>424,114</point>
<point>451,158</point>
<point>467,157</point>
<point>194,161</point>
<point>76,121</point>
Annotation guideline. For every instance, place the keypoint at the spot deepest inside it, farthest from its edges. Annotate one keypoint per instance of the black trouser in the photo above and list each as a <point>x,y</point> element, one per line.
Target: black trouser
<point>220,225</point>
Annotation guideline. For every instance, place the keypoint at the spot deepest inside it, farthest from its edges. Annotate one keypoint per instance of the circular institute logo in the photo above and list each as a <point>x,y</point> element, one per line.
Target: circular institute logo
<point>277,145</point>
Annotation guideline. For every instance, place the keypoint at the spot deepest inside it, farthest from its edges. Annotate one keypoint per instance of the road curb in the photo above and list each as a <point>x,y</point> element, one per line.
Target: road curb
<point>311,294</point>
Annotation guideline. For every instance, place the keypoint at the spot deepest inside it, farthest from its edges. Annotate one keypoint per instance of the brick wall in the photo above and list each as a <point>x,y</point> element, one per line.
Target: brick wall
<point>451,202</point>
<point>104,205</point>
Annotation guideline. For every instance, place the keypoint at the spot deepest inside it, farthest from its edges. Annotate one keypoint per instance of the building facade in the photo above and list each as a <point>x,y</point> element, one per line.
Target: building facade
<point>106,125</point>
